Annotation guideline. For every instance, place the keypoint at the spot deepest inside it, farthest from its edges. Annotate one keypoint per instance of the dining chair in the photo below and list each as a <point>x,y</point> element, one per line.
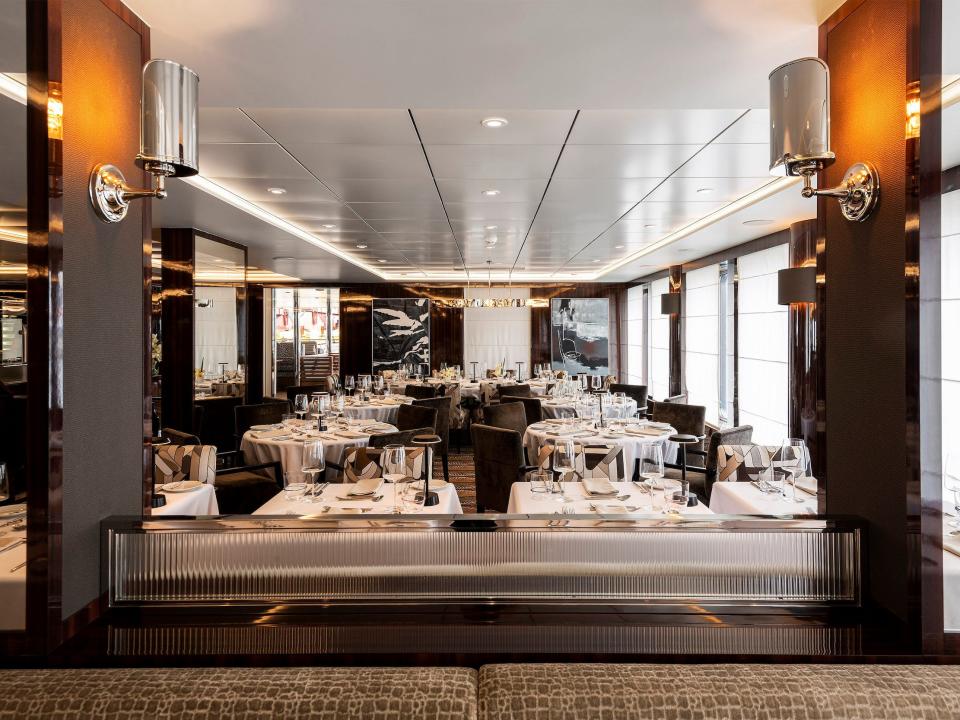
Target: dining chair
<point>367,462</point>
<point>514,391</point>
<point>415,416</point>
<point>532,408</point>
<point>401,437</point>
<point>295,390</point>
<point>420,392</point>
<point>703,474</point>
<point>637,393</point>
<point>458,417</point>
<point>267,413</point>
<point>498,463</point>
<point>507,415</point>
<point>444,407</point>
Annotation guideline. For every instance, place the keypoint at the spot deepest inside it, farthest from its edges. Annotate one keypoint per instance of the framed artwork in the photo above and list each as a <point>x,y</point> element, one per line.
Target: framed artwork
<point>401,332</point>
<point>580,335</point>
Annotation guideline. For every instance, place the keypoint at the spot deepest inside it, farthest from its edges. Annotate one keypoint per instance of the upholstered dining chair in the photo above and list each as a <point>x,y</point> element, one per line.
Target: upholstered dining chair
<point>367,462</point>
<point>514,391</point>
<point>415,416</point>
<point>420,392</point>
<point>458,416</point>
<point>401,437</point>
<point>637,393</point>
<point>532,408</point>
<point>295,390</point>
<point>590,461</point>
<point>246,416</point>
<point>444,407</point>
<point>686,420</point>
<point>510,415</point>
<point>499,462</point>
<point>703,477</point>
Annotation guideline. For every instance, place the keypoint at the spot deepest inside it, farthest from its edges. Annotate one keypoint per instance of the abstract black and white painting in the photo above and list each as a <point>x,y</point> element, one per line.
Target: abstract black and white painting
<point>401,332</point>
<point>580,335</point>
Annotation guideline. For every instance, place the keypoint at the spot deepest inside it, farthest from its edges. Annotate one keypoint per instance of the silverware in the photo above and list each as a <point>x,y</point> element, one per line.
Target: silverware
<point>641,486</point>
<point>18,543</point>
<point>14,569</point>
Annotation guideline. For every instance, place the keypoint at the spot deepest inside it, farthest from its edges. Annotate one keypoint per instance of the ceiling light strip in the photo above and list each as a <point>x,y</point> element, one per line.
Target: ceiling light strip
<point>543,196</point>
<point>211,188</point>
<point>13,88</point>
<point>762,193</point>
<point>658,185</point>
<point>433,177</point>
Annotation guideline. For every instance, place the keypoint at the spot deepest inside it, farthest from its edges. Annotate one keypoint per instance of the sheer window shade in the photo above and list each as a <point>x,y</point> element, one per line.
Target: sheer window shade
<point>659,366</point>
<point>762,345</point>
<point>636,343</point>
<point>702,340</point>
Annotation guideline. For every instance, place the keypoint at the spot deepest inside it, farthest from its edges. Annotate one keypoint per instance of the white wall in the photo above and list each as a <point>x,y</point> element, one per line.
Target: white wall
<point>636,342</point>
<point>950,330</point>
<point>702,340</point>
<point>215,328</point>
<point>492,334</point>
<point>659,368</point>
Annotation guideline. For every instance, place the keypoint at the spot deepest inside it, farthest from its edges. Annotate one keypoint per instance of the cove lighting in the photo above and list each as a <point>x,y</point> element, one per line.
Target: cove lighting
<point>494,122</point>
<point>328,226</point>
<point>758,222</point>
<point>11,235</point>
<point>13,88</point>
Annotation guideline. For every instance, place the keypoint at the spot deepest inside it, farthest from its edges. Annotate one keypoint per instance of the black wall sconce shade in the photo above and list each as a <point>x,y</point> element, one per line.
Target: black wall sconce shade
<point>670,303</point>
<point>797,285</point>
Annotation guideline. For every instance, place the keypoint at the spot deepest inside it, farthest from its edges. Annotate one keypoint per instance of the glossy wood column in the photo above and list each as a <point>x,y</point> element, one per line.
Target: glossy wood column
<point>803,357</point>
<point>676,332</point>
<point>176,365</point>
<point>254,342</point>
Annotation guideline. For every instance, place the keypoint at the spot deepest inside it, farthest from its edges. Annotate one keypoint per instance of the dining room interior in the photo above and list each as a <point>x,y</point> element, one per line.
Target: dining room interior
<point>476,336</point>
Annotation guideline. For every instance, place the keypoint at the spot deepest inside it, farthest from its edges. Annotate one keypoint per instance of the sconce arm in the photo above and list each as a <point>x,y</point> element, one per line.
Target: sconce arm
<point>858,192</point>
<point>840,191</point>
<point>111,196</point>
<point>159,190</point>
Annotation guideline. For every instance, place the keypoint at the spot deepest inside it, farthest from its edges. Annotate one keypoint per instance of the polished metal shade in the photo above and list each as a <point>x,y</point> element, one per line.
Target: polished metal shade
<point>800,117</point>
<point>669,303</point>
<point>169,128</point>
<point>797,285</point>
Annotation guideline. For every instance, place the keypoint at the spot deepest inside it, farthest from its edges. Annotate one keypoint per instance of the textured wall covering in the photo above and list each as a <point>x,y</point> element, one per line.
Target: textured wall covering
<point>103,293</point>
<point>865,326</point>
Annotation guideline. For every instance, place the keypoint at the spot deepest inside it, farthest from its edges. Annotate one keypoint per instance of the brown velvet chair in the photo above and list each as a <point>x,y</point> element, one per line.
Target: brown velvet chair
<point>510,415</point>
<point>415,416</point>
<point>295,390</point>
<point>637,393</point>
<point>513,391</point>
<point>420,392</point>
<point>703,477</point>
<point>177,437</point>
<point>499,462</point>
<point>401,437</point>
<point>532,408</point>
<point>687,420</point>
<point>444,408</point>
<point>246,416</point>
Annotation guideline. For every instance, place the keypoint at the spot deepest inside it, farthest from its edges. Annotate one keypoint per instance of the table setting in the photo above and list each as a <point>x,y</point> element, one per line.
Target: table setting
<point>376,496</point>
<point>763,498</point>
<point>13,566</point>
<point>543,495</point>
<point>382,408</point>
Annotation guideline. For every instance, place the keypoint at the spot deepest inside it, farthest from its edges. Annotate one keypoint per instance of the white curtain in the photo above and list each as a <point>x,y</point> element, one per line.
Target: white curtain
<point>491,335</point>
<point>215,328</point>
<point>950,333</point>
<point>636,342</point>
<point>762,345</point>
<point>659,368</point>
<point>702,340</point>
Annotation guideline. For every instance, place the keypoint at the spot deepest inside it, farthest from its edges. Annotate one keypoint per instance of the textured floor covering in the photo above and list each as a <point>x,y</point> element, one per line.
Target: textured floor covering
<point>461,475</point>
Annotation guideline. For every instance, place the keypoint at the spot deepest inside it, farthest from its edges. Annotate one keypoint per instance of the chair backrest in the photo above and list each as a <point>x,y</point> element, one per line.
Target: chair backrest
<point>295,390</point>
<point>401,437</point>
<point>457,415</point>
<point>421,392</point>
<point>367,462</point>
<point>498,459</point>
<point>506,415</point>
<point>444,407</point>
<point>172,463</point>
<point>416,416</point>
<point>687,419</point>
<point>514,391</point>
<point>635,392</point>
<point>740,435</point>
<point>681,399</point>
<point>591,461</point>
<point>219,421</point>
<point>261,414</point>
<point>739,463</point>
<point>532,409</point>
<point>178,437</point>
<point>198,413</point>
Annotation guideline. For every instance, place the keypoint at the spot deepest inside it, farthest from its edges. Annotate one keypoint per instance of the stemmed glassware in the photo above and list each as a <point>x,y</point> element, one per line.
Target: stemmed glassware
<point>301,405</point>
<point>394,469</point>
<point>564,461</point>
<point>596,382</point>
<point>312,464</point>
<point>651,470</point>
<point>794,463</point>
<point>349,384</point>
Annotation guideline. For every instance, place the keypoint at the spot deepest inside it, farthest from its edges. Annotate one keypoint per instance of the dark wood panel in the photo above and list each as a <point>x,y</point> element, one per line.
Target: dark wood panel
<point>255,339</point>
<point>676,331</point>
<point>176,365</point>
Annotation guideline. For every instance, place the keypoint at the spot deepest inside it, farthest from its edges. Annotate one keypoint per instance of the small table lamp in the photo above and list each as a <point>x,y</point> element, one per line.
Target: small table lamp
<point>429,443</point>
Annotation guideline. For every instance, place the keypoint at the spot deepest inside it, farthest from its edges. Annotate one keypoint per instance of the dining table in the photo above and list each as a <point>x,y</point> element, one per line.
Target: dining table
<point>951,575</point>
<point>573,499</point>
<point>634,437</point>
<point>747,498</point>
<point>335,500</point>
<point>380,407</point>
<point>187,499</point>
<point>264,444</point>
<point>13,566</point>
<point>568,408</point>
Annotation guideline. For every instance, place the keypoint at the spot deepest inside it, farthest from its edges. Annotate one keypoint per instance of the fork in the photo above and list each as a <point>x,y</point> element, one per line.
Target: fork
<point>14,569</point>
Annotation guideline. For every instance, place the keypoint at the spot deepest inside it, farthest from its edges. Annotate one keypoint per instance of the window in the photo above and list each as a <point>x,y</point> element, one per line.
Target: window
<point>762,346</point>
<point>950,339</point>
<point>701,351</point>
<point>659,358</point>
<point>636,340</point>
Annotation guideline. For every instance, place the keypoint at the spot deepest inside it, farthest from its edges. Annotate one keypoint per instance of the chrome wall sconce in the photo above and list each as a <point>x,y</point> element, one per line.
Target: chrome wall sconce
<point>168,140</point>
<point>800,137</point>
<point>797,285</point>
<point>670,303</point>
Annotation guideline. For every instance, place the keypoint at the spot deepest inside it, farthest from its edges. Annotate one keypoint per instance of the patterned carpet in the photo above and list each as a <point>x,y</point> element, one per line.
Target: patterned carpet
<point>461,475</point>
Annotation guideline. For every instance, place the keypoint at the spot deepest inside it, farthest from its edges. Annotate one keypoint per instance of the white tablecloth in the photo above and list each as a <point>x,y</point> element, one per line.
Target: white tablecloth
<point>449,502</point>
<point>202,501</point>
<point>566,408</point>
<point>634,446</point>
<point>289,451</point>
<point>13,583</point>
<point>525,502</point>
<point>745,498</point>
<point>951,586</point>
<point>376,409</point>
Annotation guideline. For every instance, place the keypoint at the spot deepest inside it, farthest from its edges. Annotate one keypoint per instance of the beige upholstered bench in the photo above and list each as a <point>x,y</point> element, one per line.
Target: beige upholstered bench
<point>719,692</point>
<point>366,693</point>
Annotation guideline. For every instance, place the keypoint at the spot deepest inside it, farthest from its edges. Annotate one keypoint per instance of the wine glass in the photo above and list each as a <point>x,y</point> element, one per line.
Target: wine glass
<point>411,498</point>
<point>311,465</point>
<point>301,405</point>
<point>597,382</point>
<point>394,469</point>
<point>651,470</point>
<point>951,482</point>
<point>564,461</point>
<point>794,463</point>
<point>349,384</point>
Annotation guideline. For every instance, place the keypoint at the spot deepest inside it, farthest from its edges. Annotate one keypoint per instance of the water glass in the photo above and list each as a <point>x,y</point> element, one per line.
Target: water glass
<point>411,498</point>
<point>540,481</point>
<point>394,463</point>
<point>301,405</point>
<point>312,464</point>
<point>651,470</point>
<point>676,501</point>
<point>292,490</point>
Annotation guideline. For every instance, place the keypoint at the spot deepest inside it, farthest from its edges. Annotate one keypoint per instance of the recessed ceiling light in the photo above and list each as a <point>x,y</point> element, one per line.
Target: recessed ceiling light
<point>284,257</point>
<point>361,246</point>
<point>329,227</point>
<point>490,193</point>
<point>618,247</point>
<point>758,222</point>
<point>277,191</point>
<point>381,260</point>
<point>490,227</point>
<point>494,122</point>
<point>596,261</point>
<point>704,190</point>
<point>649,225</point>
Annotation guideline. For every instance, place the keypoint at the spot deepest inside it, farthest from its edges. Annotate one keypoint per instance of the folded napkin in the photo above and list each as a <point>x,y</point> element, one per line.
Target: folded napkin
<point>645,432</point>
<point>560,433</point>
<point>366,487</point>
<point>807,485</point>
<point>609,509</point>
<point>267,434</point>
<point>554,421</point>
<point>351,434</point>
<point>597,486</point>
<point>951,543</point>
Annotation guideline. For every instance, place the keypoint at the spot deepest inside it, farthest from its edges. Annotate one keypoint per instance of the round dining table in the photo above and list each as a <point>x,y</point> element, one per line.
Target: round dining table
<point>381,408</point>
<point>635,439</point>
<point>567,408</point>
<point>286,444</point>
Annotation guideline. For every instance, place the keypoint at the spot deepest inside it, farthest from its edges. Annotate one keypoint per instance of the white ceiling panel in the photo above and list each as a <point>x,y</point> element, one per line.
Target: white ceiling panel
<point>399,211</point>
<point>229,125</point>
<point>363,190</point>
<point>463,127</point>
<point>410,226</point>
<point>492,161</point>
<point>297,189</point>
<point>237,160</point>
<point>589,190</point>
<point>723,189</point>
<point>622,161</point>
<point>511,191</point>
<point>482,211</point>
<point>330,161</point>
<point>346,126</point>
<point>666,215</point>
<point>601,210</point>
<point>741,160</point>
<point>650,127</point>
<point>754,127</point>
